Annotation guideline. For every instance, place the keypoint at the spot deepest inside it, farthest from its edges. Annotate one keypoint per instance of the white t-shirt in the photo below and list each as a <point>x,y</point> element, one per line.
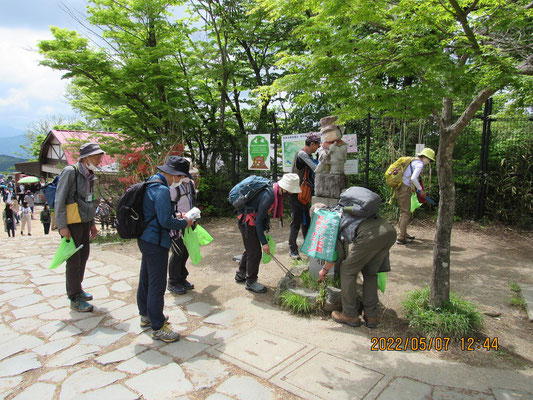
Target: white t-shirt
<point>412,172</point>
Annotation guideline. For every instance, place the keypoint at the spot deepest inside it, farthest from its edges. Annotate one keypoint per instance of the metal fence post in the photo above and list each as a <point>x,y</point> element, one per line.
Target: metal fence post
<point>484,160</point>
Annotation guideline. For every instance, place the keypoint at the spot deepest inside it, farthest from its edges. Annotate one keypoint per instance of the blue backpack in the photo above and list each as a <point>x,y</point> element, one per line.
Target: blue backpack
<point>51,188</point>
<point>246,190</point>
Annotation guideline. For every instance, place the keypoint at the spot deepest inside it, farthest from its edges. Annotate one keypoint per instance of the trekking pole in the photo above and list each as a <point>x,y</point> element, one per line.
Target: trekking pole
<point>283,267</point>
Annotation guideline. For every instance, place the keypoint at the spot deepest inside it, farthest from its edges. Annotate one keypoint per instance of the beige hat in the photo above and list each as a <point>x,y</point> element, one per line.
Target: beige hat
<point>290,182</point>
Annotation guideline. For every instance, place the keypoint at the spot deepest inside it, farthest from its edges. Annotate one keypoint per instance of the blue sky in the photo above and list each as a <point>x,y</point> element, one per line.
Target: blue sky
<point>29,92</point>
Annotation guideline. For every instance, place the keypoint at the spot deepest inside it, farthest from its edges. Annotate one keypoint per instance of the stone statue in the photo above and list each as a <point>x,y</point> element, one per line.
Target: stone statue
<point>332,154</point>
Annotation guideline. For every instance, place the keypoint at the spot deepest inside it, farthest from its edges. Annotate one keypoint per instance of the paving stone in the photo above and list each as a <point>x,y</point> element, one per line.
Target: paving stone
<point>102,337</point>
<point>176,315</point>
<point>14,279</point>
<point>91,264</point>
<point>446,393</point>
<point>26,324</point>
<point>48,279</point>
<point>51,327</point>
<point>124,275</point>
<point>26,300</point>
<point>509,394</point>
<point>67,331</point>
<point>184,349</point>
<point>65,314</point>
<point>72,356</point>
<point>200,309</point>
<point>218,396</point>
<point>18,344</point>
<point>205,372</point>
<point>145,339</point>
<point>89,323</point>
<point>6,333</point>
<point>30,311</point>
<point>8,384</point>
<point>163,383</point>
<point>59,302</point>
<point>406,389</point>
<point>225,317</point>
<point>87,379</point>
<point>126,312</point>
<point>177,299</point>
<point>9,273</point>
<point>209,335</point>
<point>57,375</point>
<point>107,305</point>
<point>53,347</point>
<point>244,388</point>
<point>52,290</point>
<point>41,391</point>
<point>15,294</point>
<point>106,270</point>
<point>8,287</point>
<point>100,292</point>
<point>19,364</point>
<point>27,260</point>
<point>121,287</point>
<point>95,281</point>
<point>122,354</point>
<point>132,325</point>
<point>110,392</point>
<point>147,360</point>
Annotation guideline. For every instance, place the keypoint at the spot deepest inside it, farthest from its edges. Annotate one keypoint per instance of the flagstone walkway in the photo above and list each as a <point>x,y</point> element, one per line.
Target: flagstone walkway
<point>243,349</point>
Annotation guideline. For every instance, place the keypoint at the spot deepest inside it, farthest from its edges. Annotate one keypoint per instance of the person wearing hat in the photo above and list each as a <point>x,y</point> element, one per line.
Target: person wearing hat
<point>74,212</point>
<point>411,184</point>
<point>304,165</point>
<point>154,245</point>
<point>253,221</point>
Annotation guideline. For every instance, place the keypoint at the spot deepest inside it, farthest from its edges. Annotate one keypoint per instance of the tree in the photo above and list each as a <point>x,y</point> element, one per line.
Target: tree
<point>412,58</point>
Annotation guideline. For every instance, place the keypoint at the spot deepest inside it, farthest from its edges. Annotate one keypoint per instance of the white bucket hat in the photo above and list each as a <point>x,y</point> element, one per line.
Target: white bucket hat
<point>290,182</point>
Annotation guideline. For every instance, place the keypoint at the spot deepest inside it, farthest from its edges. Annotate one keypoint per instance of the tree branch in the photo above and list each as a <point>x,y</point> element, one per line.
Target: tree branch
<point>461,17</point>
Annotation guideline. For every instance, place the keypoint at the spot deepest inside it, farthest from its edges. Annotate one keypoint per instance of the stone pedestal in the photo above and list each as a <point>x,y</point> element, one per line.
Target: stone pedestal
<point>330,185</point>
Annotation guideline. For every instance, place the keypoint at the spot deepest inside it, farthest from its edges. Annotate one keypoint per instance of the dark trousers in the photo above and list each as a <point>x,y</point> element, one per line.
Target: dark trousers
<point>177,271</point>
<point>46,226</point>
<point>11,228</point>
<point>152,282</point>
<point>75,269</point>
<point>249,265</point>
<point>300,218</point>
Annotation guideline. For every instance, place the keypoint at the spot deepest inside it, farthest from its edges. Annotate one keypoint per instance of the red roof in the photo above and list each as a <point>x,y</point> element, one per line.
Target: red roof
<point>64,137</point>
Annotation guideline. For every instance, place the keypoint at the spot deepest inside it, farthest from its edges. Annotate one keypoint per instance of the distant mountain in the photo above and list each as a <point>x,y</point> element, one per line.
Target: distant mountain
<point>7,162</point>
<point>10,146</point>
<point>9,131</point>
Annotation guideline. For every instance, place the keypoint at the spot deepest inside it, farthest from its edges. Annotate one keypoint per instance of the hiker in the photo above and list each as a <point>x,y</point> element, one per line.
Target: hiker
<point>411,184</point>
<point>9,220</point>
<point>253,221</point>
<point>30,200</point>
<point>74,212</point>
<point>363,246</point>
<point>102,211</point>
<point>304,165</point>
<point>25,216</point>
<point>45,218</point>
<point>183,198</point>
<point>154,244</point>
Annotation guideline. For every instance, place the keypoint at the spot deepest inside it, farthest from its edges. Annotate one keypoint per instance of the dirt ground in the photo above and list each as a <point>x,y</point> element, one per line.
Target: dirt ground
<point>484,261</point>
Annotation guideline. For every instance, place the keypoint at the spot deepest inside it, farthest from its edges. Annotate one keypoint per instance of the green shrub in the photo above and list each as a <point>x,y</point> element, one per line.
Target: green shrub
<point>458,318</point>
<point>108,238</point>
<point>295,303</point>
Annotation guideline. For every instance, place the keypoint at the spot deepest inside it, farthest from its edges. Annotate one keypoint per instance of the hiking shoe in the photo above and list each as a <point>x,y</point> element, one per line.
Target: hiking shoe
<point>188,285</point>
<point>240,278</point>
<point>295,256</point>
<point>370,322</point>
<point>80,305</point>
<point>409,237</point>
<point>165,334</point>
<point>145,321</point>
<point>401,241</point>
<point>255,287</point>
<point>177,288</point>
<point>86,296</point>
<point>342,318</point>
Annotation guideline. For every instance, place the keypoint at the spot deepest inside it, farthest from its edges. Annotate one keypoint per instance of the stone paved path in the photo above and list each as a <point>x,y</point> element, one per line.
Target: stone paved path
<point>243,349</point>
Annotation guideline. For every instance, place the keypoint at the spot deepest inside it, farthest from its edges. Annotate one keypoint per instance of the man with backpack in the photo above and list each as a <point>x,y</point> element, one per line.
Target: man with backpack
<point>253,221</point>
<point>304,165</point>
<point>409,185</point>
<point>154,244</point>
<point>75,210</point>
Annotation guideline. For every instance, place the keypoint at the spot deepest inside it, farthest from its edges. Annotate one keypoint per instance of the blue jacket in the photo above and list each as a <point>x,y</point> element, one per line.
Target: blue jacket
<point>261,203</point>
<point>158,210</point>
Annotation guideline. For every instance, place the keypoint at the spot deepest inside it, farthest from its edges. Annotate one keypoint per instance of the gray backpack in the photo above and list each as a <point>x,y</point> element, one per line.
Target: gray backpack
<point>365,204</point>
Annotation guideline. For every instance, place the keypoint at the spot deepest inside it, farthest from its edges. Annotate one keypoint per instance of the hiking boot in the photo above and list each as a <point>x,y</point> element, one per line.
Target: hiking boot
<point>145,321</point>
<point>165,334</point>
<point>255,287</point>
<point>80,305</point>
<point>401,241</point>
<point>86,296</point>
<point>295,255</point>
<point>342,318</point>
<point>370,322</point>
<point>188,285</point>
<point>239,277</point>
<point>409,237</point>
<point>177,288</point>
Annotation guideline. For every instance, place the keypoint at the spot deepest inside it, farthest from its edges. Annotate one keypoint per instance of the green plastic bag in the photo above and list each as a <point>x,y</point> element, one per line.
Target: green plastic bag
<point>203,236</point>
<point>382,281</point>
<point>65,250</point>
<point>414,202</point>
<point>192,243</point>
<point>272,245</point>
<point>321,239</point>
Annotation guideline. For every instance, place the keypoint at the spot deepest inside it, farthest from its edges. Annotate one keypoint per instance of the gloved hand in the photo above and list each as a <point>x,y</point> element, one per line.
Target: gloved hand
<point>193,214</point>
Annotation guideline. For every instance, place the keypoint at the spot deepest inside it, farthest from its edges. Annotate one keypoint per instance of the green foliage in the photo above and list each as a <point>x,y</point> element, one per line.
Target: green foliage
<point>456,318</point>
<point>108,238</point>
<point>516,300</point>
<point>295,303</point>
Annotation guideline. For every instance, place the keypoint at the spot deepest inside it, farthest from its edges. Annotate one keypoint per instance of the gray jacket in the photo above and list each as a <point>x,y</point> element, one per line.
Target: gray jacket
<point>65,194</point>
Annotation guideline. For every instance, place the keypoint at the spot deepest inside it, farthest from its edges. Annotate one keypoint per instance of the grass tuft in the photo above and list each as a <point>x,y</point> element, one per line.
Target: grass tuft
<point>295,303</point>
<point>516,299</point>
<point>108,238</point>
<point>458,318</point>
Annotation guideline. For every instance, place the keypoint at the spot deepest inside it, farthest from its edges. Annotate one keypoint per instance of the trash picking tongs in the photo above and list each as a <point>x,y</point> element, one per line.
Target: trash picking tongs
<point>283,267</point>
